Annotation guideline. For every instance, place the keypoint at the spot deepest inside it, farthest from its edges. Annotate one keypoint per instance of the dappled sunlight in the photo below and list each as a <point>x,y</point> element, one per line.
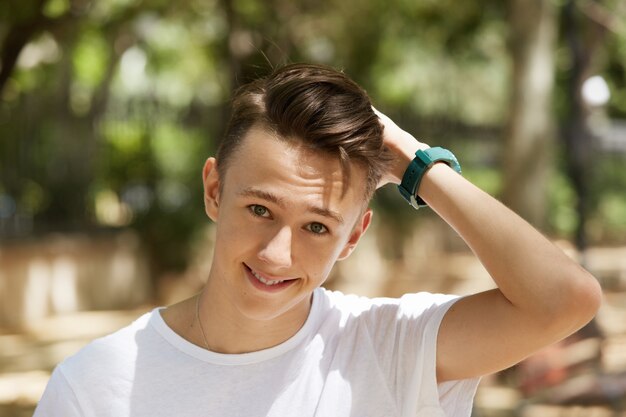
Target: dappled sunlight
<point>44,50</point>
<point>498,398</point>
<point>22,387</point>
<point>82,325</point>
<point>556,411</point>
<point>614,354</point>
<point>110,211</point>
<point>36,290</point>
<point>123,268</point>
<point>63,285</point>
<point>69,274</point>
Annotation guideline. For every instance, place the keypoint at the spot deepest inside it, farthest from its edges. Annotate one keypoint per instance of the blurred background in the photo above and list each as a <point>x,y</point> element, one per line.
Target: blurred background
<point>109,108</point>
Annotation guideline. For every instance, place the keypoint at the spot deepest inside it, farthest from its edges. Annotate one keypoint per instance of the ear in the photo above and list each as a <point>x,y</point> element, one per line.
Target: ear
<point>211,181</point>
<point>358,231</point>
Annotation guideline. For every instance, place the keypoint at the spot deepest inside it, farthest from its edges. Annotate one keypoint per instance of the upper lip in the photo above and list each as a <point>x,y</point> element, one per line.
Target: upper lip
<point>268,276</point>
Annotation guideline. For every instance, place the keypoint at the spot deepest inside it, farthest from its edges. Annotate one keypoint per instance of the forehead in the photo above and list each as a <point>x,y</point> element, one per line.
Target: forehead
<point>287,167</point>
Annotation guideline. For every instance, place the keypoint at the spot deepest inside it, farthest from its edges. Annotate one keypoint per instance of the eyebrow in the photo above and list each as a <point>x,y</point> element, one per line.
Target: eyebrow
<point>267,196</point>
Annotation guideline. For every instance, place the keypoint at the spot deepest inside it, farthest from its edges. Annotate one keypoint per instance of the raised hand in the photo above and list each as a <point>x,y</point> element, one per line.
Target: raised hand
<point>403,146</point>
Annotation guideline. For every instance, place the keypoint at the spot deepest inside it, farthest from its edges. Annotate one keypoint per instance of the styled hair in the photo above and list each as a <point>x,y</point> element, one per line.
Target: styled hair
<point>316,106</point>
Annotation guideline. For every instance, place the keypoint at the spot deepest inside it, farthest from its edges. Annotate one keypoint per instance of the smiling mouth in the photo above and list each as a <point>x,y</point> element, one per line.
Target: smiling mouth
<point>268,282</point>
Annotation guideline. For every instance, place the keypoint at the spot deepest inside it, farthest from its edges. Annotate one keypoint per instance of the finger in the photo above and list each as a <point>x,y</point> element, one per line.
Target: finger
<point>381,115</point>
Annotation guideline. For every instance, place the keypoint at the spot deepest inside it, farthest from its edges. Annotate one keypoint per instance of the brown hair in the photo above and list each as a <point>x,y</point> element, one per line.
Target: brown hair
<point>314,105</point>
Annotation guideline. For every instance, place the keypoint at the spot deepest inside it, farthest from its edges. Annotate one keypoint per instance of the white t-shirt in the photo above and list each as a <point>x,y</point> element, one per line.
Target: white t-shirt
<point>354,356</point>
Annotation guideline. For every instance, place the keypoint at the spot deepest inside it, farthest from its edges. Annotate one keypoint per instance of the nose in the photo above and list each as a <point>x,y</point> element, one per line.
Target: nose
<point>277,251</point>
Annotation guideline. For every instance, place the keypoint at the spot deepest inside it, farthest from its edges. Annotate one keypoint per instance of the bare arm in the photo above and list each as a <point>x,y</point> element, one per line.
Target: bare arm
<point>542,295</point>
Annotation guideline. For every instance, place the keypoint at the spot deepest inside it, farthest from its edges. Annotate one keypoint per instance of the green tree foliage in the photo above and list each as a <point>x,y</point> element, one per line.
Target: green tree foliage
<point>109,108</point>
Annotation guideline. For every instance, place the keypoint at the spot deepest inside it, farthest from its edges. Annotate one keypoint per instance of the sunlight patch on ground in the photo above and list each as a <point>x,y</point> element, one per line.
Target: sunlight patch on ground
<point>22,387</point>
<point>88,324</point>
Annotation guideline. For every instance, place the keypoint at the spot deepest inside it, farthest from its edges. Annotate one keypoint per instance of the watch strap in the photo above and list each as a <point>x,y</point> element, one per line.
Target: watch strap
<point>424,159</point>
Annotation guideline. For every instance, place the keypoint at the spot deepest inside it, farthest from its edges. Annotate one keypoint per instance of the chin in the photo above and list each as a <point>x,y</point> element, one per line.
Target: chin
<point>267,310</point>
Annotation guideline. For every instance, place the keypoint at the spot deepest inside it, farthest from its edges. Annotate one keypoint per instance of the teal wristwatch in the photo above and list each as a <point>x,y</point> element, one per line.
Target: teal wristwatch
<point>423,160</point>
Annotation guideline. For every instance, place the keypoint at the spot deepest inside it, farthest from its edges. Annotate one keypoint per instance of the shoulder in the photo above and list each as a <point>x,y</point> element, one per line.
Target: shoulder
<point>413,306</point>
<point>108,353</point>
<point>99,373</point>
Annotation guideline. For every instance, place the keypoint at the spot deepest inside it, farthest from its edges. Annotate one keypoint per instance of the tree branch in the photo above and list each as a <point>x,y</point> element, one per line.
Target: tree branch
<point>603,17</point>
<point>20,34</point>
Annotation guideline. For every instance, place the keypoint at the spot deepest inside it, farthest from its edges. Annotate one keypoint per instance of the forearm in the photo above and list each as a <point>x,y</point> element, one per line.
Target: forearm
<point>542,295</point>
<point>532,273</point>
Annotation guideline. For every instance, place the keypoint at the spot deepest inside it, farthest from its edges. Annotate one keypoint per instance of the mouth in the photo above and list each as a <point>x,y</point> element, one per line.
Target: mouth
<point>266,283</point>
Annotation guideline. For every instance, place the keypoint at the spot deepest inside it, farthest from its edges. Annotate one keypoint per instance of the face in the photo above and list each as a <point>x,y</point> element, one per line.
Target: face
<point>282,223</point>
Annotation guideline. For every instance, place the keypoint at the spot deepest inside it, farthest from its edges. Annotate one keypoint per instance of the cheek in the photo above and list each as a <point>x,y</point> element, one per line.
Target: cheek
<point>234,234</point>
<point>318,259</point>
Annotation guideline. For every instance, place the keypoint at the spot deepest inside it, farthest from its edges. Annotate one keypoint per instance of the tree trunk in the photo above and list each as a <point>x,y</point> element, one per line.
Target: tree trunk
<point>529,133</point>
<point>577,135</point>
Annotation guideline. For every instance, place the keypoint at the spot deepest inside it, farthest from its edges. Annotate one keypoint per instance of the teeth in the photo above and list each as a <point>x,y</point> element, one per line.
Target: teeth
<point>266,281</point>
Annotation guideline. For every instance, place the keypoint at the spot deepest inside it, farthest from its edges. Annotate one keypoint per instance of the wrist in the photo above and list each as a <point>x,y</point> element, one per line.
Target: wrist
<point>417,169</point>
<point>429,184</point>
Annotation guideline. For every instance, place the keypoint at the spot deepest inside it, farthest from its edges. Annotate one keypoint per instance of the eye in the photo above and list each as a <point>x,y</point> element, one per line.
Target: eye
<point>317,228</point>
<point>258,210</point>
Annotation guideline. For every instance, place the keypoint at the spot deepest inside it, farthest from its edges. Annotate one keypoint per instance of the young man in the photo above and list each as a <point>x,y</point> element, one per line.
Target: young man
<point>289,190</point>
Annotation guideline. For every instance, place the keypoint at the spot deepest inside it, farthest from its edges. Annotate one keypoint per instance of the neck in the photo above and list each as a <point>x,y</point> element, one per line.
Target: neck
<point>229,331</point>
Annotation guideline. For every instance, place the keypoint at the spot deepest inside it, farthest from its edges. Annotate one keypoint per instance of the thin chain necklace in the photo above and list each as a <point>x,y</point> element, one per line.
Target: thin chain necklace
<point>206,344</point>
